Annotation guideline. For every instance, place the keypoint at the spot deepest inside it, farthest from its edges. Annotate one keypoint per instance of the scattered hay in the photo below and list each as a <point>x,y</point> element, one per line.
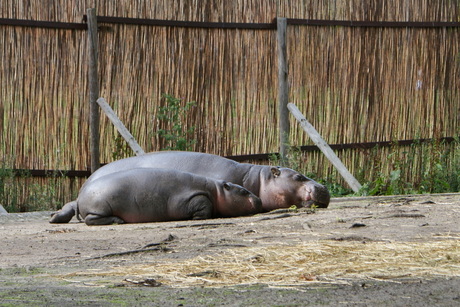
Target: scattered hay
<point>317,262</point>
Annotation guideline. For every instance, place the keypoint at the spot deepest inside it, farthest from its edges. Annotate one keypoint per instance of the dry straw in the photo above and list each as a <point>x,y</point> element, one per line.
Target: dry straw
<point>321,262</point>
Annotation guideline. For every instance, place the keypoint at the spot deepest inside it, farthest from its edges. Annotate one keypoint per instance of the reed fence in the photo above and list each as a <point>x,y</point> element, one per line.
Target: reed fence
<point>360,71</point>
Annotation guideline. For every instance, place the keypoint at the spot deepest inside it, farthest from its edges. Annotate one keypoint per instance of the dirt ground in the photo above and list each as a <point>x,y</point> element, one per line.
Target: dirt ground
<point>379,251</point>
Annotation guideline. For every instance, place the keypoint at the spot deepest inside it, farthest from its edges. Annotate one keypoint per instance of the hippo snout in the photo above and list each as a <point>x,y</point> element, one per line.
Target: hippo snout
<point>317,195</point>
<point>256,203</point>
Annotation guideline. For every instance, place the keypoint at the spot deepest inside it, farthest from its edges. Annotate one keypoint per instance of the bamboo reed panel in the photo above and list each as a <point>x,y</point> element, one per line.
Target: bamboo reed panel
<point>397,83</point>
<point>352,84</point>
<point>236,11</point>
<point>372,10</point>
<point>43,116</point>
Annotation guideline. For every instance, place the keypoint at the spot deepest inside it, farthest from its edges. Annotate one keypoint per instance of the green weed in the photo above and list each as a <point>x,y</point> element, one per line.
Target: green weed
<point>9,189</point>
<point>19,192</point>
<point>423,167</point>
<point>175,135</point>
<point>121,150</point>
<point>431,167</point>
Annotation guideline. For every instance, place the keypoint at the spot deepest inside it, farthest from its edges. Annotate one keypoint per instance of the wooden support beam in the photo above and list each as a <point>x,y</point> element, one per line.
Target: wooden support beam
<point>283,88</point>
<point>324,147</point>
<point>120,127</point>
<point>93,89</point>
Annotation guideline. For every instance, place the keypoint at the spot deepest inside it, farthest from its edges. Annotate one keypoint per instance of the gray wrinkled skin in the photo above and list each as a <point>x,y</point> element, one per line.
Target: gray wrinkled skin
<point>154,195</point>
<point>277,187</point>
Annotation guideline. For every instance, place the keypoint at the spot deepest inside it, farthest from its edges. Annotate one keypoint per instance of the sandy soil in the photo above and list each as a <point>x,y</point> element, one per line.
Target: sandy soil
<point>187,263</point>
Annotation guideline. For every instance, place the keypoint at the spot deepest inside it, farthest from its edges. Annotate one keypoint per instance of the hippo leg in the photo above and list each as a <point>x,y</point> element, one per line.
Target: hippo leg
<point>200,207</point>
<point>65,214</point>
<point>94,219</point>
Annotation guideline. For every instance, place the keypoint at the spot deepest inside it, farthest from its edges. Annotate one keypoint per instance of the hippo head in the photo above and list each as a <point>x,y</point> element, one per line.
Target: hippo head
<point>234,200</point>
<point>286,188</point>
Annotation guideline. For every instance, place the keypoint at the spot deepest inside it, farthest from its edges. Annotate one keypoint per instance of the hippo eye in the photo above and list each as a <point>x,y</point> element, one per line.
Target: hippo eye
<point>226,186</point>
<point>299,177</point>
<point>245,192</point>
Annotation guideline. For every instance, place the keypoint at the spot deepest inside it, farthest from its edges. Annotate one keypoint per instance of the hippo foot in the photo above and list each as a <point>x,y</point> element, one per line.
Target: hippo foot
<point>201,207</point>
<point>92,219</point>
<point>65,214</point>
<point>59,217</point>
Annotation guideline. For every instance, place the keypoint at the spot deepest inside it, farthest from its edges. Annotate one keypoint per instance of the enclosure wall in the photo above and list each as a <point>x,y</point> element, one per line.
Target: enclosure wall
<point>354,84</point>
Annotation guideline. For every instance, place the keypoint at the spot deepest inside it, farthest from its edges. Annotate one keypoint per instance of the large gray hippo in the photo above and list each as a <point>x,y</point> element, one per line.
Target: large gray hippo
<point>154,195</point>
<point>276,187</point>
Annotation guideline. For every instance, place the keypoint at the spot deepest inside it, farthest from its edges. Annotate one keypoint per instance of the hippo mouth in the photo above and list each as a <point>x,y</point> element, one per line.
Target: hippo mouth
<point>256,204</point>
<point>311,203</point>
<point>307,200</point>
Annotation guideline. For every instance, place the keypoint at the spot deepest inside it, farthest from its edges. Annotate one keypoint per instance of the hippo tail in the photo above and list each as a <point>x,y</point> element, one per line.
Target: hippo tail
<point>77,213</point>
<point>65,214</point>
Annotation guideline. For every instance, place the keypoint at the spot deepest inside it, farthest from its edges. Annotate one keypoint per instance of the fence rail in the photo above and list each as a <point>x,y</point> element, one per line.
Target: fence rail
<point>242,158</point>
<point>43,24</point>
<point>226,25</point>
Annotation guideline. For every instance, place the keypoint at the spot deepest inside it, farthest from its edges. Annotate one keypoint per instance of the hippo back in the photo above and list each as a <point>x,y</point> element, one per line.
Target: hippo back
<point>152,195</point>
<point>207,165</point>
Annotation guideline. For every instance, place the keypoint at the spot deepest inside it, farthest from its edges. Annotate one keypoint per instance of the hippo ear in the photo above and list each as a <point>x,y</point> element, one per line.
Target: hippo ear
<point>276,171</point>
<point>226,186</point>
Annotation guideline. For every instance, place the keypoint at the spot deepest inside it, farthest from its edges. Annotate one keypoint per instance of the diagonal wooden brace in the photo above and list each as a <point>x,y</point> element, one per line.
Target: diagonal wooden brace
<point>325,148</point>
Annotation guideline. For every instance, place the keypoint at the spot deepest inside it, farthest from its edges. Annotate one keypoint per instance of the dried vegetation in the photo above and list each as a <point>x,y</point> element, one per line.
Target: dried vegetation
<point>320,262</point>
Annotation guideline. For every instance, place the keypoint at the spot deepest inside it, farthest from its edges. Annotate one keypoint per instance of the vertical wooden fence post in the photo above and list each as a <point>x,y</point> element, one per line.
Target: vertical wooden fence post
<point>93,88</point>
<point>283,88</point>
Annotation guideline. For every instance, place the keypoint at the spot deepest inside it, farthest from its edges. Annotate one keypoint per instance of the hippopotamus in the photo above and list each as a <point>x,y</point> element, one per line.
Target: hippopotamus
<point>155,195</point>
<point>277,187</point>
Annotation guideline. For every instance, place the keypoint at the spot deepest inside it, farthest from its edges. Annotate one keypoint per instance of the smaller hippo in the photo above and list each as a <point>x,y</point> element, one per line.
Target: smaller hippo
<point>143,195</point>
